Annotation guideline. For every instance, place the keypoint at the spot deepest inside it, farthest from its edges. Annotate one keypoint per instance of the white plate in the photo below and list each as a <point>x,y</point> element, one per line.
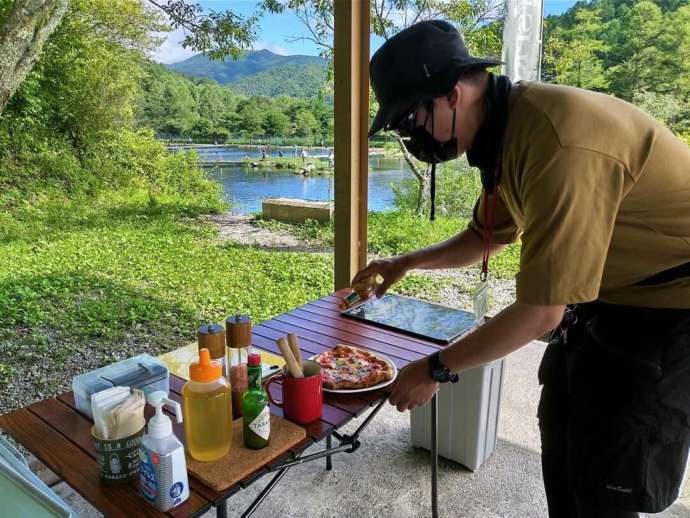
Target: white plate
<point>373,387</point>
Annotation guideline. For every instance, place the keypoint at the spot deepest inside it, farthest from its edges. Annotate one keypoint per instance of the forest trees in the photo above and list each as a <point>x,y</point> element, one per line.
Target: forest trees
<point>177,106</point>
<point>638,51</point>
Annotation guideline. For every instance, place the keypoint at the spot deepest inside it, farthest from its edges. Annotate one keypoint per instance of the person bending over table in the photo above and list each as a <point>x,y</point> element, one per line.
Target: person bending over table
<point>599,194</point>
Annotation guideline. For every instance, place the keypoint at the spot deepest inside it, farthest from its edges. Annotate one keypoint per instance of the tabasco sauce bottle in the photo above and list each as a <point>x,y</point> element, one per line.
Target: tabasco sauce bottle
<point>255,411</point>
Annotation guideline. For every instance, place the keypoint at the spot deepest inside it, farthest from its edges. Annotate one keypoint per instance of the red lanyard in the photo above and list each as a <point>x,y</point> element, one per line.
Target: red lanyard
<point>489,220</point>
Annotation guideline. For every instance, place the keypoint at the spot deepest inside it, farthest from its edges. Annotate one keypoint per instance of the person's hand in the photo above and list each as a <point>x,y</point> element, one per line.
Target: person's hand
<point>414,386</point>
<point>392,270</point>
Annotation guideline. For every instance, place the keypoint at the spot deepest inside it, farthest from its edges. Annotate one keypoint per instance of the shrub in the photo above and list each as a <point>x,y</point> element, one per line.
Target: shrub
<point>457,188</point>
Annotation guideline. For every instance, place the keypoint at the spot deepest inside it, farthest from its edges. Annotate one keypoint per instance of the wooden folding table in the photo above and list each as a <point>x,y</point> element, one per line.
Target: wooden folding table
<point>60,437</point>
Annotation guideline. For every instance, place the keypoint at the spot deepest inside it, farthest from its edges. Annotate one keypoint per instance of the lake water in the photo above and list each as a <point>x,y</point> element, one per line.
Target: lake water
<point>245,188</point>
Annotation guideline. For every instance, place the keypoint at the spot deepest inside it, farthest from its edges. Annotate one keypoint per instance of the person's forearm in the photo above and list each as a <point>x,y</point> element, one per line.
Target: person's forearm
<point>462,250</point>
<point>512,328</point>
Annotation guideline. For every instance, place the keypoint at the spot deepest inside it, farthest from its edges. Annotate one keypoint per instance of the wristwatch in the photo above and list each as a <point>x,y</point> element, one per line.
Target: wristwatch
<point>440,372</point>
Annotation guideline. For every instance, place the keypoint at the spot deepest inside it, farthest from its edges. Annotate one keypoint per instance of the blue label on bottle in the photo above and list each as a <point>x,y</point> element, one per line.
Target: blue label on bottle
<point>148,485</point>
<point>176,490</point>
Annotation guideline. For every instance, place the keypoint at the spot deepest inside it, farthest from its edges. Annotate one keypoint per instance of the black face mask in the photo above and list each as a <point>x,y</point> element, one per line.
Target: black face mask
<point>421,144</point>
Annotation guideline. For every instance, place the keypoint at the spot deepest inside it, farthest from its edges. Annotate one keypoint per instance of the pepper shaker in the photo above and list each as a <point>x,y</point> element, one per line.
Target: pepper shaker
<point>238,346</point>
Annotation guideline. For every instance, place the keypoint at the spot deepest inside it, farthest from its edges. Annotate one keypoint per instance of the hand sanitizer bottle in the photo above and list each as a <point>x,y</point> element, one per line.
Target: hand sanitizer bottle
<point>162,468</point>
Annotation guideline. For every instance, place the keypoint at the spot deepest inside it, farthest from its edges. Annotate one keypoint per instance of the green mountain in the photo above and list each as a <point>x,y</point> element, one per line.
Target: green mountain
<point>302,81</point>
<point>252,63</point>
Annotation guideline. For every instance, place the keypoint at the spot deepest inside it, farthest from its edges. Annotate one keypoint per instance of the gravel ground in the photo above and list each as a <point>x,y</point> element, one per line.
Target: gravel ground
<point>240,229</point>
<point>40,379</point>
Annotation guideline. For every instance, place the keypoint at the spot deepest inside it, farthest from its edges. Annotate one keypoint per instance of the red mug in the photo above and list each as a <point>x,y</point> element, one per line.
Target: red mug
<point>302,397</point>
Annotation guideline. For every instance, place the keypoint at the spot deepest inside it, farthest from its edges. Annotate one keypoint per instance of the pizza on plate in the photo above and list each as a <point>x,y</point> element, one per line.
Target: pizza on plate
<point>345,367</point>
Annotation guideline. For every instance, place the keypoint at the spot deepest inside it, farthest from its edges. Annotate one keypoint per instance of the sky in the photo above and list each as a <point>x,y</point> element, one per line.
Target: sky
<point>281,33</point>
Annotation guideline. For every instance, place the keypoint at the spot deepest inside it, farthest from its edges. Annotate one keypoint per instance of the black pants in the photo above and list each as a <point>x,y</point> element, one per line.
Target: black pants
<point>614,413</point>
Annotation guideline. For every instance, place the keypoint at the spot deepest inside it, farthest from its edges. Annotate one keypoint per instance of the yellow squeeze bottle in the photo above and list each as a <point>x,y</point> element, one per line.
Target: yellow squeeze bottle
<point>207,408</point>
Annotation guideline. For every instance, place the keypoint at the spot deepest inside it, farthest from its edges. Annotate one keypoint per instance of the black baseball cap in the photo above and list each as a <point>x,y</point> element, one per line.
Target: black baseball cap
<point>419,63</point>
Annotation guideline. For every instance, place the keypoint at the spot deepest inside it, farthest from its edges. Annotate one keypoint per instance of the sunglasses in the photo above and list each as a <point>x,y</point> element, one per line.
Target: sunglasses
<point>406,125</point>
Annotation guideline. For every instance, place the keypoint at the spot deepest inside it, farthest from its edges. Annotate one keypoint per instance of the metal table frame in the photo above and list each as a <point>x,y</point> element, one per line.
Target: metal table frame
<point>348,444</point>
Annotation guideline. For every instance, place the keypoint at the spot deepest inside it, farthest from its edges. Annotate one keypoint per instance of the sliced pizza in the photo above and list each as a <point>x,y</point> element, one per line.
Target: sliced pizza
<point>345,367</point>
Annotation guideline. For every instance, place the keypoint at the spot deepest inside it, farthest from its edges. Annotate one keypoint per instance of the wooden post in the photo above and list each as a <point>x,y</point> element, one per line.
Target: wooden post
<point>351,112</point>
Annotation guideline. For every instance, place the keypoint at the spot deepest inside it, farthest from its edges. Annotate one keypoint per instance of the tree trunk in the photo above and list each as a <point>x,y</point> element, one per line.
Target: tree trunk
<point>423,177</point>
<point>26,29</point>
<point>424,197</point>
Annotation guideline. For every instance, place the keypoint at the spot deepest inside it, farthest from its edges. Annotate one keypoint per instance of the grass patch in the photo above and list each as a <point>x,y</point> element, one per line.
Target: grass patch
<point>90,276</point>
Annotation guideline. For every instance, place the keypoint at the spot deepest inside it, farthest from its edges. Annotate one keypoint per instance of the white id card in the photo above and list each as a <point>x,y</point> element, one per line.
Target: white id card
<point>480,301</point>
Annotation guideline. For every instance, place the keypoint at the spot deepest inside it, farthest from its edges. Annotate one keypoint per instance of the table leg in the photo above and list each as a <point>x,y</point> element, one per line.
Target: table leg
<point>329,459</point>
<point>264,493</point>
<point>434,456</point>
<point>222,509</point>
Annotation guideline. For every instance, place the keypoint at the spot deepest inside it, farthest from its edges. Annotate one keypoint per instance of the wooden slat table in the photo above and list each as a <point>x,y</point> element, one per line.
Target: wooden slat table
<point>60,437</point>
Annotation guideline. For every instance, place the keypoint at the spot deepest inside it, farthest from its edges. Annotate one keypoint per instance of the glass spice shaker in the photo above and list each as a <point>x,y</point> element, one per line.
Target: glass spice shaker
<point>238,335</point>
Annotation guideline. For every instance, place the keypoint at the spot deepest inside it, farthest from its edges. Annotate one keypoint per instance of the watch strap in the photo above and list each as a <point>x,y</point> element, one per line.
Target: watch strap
<point>438,371</point>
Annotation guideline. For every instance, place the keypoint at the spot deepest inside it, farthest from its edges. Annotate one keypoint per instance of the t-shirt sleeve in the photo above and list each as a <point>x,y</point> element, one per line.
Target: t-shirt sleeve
<point>505,229</point>
<point>570,206</point>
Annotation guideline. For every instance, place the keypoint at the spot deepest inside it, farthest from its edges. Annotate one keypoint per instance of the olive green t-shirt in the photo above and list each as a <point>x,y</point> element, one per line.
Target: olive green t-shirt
<point>598,192</point>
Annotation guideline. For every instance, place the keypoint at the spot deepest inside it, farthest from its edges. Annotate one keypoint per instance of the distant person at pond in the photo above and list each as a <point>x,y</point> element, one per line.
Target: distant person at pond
<point>597,192</point>
<point>330,158</point>
<point>304,155</point>
<point>263,153</point>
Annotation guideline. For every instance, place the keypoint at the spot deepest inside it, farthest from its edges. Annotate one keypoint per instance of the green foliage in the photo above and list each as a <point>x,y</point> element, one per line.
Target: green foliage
<point>394,233</point>
<point>302,81</point>
<point>137,158</point>
<point>637,50</point>
<point>306,124</point>
<point>178,107</point>
<point>669,109</point>
<point>217,33</point>
<point>457,188</point>
<point>69,129</point>
<point>276,124</point>
<point>175,105</point>
<point>573,53</point>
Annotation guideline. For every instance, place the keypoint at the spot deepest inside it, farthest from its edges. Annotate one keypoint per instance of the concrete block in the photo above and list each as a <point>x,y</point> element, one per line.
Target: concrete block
<point>293,210</point>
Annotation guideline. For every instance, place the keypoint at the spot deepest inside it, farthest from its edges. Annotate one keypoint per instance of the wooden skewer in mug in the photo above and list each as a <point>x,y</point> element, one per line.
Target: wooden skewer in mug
<point>292,364</point>
<point>294,345</point>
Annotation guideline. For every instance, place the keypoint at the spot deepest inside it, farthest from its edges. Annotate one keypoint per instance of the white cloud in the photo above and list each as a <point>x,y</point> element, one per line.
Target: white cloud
<point>276,49</point>
<point>171,50</point>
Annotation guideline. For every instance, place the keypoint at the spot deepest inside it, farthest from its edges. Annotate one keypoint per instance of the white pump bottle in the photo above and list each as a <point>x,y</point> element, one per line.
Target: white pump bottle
<point>162,468</point>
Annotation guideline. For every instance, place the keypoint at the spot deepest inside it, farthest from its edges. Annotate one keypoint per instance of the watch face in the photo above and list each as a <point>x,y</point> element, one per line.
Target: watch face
<point>440,375</point>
